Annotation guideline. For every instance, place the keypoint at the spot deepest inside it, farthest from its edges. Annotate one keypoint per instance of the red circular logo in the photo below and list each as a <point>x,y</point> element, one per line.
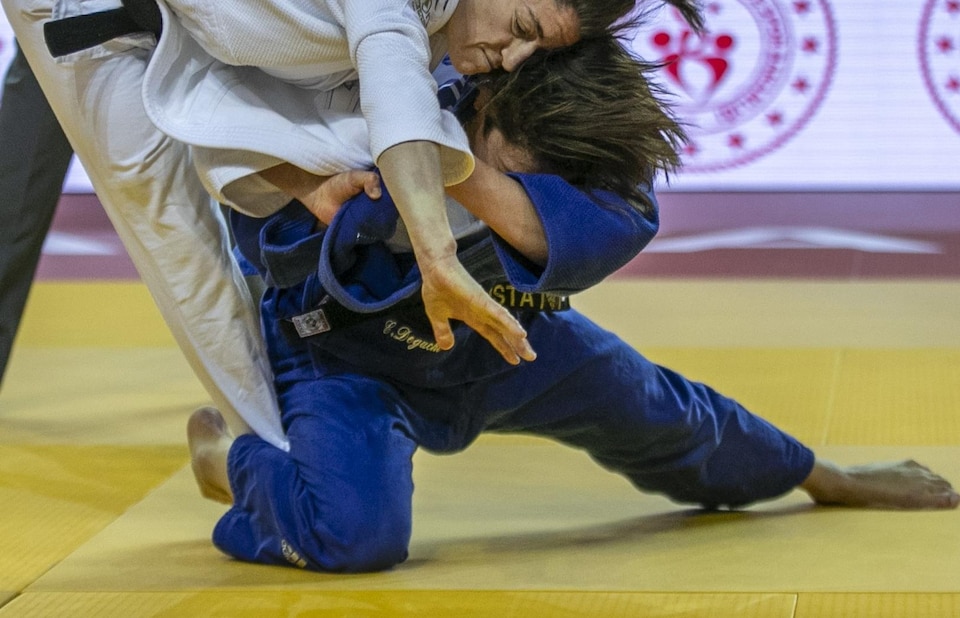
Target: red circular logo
<point>939,48</point>
<point>750,82</point>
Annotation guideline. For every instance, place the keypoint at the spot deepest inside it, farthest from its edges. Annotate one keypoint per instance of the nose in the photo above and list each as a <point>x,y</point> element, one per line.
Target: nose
<point>515,53</point>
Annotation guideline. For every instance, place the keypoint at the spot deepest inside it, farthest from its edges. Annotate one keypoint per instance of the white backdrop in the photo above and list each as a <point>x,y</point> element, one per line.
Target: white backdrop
<point>805,94</point>
<point>849,94</point>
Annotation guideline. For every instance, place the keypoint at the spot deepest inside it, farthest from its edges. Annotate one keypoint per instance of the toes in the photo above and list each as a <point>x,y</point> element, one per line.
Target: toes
<point>939,500</point>
<point>205,425</point>
<point>209,417</point>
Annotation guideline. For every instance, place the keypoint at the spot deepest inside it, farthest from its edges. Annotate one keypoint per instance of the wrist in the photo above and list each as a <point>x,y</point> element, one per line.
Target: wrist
<point>433,252</point>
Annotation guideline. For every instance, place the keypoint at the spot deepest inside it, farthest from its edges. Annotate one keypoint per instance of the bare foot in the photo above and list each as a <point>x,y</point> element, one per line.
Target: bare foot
<point>900,485</point>
<point>210,439</point>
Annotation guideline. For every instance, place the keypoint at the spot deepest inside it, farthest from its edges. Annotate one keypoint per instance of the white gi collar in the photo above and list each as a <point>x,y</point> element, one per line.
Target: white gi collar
<point>437,12</point>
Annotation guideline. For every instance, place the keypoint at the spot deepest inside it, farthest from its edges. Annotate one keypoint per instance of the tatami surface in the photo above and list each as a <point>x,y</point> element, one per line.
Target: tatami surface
<point>99,515</point>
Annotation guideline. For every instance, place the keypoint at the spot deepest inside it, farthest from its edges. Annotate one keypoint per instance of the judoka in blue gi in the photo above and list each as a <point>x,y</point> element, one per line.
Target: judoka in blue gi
<point>362,385</point>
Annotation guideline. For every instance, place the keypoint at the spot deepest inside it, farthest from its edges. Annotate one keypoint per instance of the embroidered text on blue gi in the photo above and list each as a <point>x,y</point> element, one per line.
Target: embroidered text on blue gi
<point>402,332</point>
<point>509,296</point>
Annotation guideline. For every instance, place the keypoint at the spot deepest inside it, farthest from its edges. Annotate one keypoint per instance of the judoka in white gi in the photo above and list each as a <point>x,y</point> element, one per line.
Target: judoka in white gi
<point>112,97</point>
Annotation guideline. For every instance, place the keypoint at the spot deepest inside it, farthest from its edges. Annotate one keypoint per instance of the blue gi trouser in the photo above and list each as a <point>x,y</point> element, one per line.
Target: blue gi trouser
<point>340,500</point>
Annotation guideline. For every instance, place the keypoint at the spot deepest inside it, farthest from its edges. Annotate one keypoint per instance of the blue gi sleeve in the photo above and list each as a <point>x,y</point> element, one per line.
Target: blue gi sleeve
<point>588,236</point>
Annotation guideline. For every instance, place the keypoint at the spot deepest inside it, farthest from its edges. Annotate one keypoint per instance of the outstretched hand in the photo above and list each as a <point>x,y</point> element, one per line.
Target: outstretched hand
<point>411,171</point>
<point>450,293</point>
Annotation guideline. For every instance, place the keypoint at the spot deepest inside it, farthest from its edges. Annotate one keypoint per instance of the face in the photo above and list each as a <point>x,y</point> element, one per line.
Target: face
<point>484,35</point>
<point>491,147</point>
<point>494,150</point>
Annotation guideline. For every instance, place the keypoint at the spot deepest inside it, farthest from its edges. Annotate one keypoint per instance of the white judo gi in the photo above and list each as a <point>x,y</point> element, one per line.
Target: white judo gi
<point>112,98</point>
<point>256,86</point>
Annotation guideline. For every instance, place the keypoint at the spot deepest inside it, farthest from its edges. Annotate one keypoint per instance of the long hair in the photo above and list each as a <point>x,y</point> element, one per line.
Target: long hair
<point>601,17</point>
<point>590,114</point>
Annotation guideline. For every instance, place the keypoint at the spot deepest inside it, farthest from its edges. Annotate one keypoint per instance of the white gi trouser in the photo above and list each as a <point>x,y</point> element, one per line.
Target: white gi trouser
<point>169,225</point>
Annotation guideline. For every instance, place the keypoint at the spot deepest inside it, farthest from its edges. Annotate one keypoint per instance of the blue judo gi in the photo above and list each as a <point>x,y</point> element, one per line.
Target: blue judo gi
<point>357,401</point>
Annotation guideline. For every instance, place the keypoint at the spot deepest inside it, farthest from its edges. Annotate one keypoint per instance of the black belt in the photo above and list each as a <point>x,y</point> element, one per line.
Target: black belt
<point>331,315</point>
<point>73,34</point>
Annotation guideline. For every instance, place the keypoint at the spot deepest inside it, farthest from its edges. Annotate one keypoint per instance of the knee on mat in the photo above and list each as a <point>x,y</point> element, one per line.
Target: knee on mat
<point>365,545</point>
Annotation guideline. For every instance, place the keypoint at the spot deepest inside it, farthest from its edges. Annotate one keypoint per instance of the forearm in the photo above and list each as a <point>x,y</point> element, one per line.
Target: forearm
<point>411,172</point>
<point>502,203</point>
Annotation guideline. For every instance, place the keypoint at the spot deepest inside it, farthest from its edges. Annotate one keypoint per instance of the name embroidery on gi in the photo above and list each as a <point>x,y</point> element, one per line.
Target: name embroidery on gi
<point>509,296</point>
<point>405,334</point>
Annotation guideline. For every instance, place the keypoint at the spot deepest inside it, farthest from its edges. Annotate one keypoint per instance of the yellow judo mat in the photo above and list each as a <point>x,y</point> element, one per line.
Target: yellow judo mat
<point>99,515</point>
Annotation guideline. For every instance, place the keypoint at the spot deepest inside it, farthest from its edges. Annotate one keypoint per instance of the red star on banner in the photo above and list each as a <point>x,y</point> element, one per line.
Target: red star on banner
<point>953,6</point>
<point>774,119</point>
<point>713,8</point>
<point>691,149</point>
<point>810,45</point>
<point>944,44</point>
<point>801,85</point>
<point>735,140</point>
<point>801,7</point>
<point>953,84</point>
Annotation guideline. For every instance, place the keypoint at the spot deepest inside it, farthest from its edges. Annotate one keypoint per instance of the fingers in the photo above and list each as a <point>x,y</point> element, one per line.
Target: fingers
<point>512,349</point>
<point>326,201</point>
<point>442,333</point>
<point>500,343</point>
<point>490,321</point>
<point>449,293</point>
<point>353,182</point>
<point>371,185</point>
<point>509,333</point>
<point>504,332</point>
<point>510,339</point>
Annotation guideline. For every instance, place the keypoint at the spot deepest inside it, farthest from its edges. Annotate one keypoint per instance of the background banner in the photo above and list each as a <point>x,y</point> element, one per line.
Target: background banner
<point>795,95</point>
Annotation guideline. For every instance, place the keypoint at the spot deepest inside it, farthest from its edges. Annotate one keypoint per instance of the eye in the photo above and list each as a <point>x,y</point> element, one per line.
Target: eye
<point>487,125</point>
<point>520,31</point>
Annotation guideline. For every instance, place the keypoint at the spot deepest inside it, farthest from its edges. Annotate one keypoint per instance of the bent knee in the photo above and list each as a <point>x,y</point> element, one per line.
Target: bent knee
<point>363,546</point>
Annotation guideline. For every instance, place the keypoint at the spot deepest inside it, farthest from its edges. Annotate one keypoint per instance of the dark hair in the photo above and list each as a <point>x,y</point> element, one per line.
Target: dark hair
<point>590,114</point>
<point>601,17</point>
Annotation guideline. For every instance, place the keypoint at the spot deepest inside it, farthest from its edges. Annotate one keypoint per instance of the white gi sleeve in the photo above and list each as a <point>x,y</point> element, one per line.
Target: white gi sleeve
<point>398,95</point>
